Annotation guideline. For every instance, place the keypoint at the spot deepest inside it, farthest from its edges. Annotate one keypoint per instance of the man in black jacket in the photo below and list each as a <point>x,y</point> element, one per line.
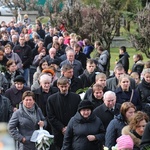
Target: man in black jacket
<point>108,109</point>
<point>124,58</point>
<point>75,83</point>
<point>24,52</point>
<point>61,106</point>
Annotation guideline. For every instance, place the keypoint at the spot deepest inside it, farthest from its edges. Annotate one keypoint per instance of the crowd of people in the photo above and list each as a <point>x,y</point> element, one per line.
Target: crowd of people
<point>43,71</point>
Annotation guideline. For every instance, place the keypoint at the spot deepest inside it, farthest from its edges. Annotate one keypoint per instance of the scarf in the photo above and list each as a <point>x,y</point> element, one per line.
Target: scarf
<point>31,112</point>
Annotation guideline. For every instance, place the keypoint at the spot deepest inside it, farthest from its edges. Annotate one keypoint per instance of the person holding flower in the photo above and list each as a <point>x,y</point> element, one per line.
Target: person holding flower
<point>25,121</point>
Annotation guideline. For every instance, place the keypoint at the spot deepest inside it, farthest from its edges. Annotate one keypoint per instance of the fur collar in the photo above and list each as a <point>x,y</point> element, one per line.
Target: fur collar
<point>127,131</point>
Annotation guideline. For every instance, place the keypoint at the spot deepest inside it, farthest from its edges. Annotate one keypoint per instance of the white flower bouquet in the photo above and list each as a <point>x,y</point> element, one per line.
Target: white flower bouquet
<point>42,139</point>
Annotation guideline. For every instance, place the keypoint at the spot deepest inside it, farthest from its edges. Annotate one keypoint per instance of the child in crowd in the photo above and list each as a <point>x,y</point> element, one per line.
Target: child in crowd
<point>125,142</point>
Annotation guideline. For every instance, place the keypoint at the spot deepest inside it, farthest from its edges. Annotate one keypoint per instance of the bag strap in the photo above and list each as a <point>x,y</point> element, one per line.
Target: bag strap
<point>131,95</point>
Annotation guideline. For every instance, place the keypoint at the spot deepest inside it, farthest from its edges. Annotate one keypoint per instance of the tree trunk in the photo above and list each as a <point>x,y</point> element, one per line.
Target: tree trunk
<point>118,28</point>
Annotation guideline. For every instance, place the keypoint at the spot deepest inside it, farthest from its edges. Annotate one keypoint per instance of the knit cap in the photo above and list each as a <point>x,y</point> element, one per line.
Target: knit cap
<point>124,141</point>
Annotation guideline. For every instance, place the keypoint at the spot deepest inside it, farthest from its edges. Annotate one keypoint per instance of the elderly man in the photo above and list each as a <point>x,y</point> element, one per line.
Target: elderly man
<point>52,56</point>
<point>44,91</point>
<point>14,40</point>
<point>61,106</point>
<point>77,66</point>
<point>108,109</point>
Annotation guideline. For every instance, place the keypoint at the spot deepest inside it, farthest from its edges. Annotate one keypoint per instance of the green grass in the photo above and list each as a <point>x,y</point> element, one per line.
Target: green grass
<point>44,19</point>
<point>131,51</point>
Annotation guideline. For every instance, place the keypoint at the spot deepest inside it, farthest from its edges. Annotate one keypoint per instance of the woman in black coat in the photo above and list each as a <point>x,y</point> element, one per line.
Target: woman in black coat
<point>124,93</point>
<point>14,94</point>
<point>84,131</point>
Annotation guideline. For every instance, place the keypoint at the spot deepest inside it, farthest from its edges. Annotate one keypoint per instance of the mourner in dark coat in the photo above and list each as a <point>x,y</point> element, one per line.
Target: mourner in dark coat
<point>109,109</point>
<point>96,97</point>
<point>138,64</point>
<point>75,83</point>
<point>14,94</point>
<point>124,58</point>
<point>79,55</point>
<point>44,91</point>
<point>100,78</point>
<point>78,135</point>
<point>61,106</point>
<point>88,76</point>
<point>125,94</point>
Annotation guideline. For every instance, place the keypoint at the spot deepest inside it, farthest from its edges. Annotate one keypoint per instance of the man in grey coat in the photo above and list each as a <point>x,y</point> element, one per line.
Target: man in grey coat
<point>112,82</point>
<point>77,66</point>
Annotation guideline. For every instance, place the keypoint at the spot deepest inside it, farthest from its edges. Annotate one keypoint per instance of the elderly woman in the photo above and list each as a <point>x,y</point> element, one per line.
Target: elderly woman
<point>15,92</point>
<point>136,128</point>
<point>25,121</point>
<point>114,128</point>
<point>84,131</point>
<point>124,93</point>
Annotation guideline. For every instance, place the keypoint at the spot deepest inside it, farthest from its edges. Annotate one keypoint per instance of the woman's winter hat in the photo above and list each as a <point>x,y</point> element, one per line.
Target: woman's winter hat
<point>124,141</point>
<point>85,104</point>
<point>19,78</point>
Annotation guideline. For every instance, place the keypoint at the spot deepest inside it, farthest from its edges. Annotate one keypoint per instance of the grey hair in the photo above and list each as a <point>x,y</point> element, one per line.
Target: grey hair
<point>109,93</point>
<point>70,50</point>
<point>45,77</point>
